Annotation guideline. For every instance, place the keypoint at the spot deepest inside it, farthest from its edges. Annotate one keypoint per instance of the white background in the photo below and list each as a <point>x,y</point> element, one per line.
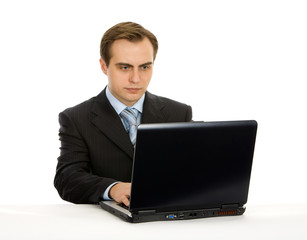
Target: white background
<point>229,60</point>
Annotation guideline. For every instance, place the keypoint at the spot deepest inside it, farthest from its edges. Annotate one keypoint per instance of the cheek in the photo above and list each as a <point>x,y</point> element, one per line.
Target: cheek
<point>115,79</point>
<point>146,76</point>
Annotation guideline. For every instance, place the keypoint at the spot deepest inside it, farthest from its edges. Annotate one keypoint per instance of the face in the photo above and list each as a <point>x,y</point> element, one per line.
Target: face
<point>130,69</point>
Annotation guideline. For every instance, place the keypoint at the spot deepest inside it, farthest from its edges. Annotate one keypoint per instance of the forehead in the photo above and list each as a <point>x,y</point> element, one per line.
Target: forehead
<point>137,52</point>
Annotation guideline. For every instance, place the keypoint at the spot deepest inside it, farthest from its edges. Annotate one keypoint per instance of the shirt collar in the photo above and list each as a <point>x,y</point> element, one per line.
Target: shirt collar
<point>119,106</point>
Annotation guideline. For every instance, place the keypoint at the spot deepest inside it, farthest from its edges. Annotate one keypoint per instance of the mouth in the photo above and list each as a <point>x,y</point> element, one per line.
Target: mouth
<point>133,90</point>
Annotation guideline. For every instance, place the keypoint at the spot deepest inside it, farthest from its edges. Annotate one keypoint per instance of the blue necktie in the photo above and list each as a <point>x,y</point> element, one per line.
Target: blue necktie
<point>129,116</point>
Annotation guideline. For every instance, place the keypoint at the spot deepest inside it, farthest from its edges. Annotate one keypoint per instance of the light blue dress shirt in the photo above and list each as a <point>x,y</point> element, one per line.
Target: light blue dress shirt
<point>119,107</point>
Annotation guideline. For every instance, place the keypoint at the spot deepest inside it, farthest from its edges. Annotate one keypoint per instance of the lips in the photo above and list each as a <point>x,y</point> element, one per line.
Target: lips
<point>133,90</point>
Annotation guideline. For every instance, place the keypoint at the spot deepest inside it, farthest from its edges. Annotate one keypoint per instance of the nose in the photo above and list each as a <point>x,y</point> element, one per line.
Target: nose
<point>134,76</point>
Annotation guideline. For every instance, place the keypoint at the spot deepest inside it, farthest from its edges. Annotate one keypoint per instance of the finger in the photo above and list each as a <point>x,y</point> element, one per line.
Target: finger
<point>126,202</point>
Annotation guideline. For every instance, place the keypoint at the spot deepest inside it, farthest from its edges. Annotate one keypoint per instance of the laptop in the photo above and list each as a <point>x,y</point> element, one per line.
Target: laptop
<point>189,170</point>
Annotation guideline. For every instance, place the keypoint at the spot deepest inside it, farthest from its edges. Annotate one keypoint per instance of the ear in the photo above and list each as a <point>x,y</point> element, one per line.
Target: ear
<point>103,66</point>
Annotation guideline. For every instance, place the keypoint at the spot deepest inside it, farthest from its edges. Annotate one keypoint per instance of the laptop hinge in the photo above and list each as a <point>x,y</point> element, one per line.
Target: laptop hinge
<point>230,206</point>
<point>146,212</point>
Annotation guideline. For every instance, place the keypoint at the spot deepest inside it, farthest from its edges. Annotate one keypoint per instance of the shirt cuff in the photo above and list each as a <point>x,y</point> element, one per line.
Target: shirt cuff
<point>105,195</point>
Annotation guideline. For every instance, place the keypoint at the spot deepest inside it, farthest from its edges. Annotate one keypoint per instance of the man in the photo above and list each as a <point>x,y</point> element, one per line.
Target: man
<point>97,140</point>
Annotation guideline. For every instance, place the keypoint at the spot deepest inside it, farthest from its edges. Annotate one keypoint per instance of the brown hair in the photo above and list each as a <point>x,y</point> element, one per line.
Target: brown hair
<point>126,30</point>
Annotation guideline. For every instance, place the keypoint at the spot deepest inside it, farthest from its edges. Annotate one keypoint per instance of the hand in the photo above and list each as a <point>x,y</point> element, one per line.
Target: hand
<point>120,192</point>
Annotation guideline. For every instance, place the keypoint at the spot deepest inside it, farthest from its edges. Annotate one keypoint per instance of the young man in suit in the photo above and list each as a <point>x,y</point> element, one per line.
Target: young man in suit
<point>96,156</point>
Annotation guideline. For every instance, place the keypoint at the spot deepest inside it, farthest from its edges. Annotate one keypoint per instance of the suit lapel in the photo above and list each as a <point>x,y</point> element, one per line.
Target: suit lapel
<point>152,109</point>
<point>108,122</point>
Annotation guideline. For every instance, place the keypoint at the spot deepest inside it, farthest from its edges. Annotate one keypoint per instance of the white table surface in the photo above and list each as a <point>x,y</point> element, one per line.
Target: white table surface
<point>69,221</point>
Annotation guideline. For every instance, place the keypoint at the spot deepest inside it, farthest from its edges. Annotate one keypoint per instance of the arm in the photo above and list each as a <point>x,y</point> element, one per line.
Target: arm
<point>74,179</point>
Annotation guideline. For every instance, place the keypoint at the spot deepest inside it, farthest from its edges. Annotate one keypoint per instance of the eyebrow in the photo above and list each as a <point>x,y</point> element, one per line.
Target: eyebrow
<point>129,65</point>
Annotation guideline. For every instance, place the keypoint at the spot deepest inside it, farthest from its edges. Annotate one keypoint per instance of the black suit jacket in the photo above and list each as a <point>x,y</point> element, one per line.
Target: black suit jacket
<point>96,150</point>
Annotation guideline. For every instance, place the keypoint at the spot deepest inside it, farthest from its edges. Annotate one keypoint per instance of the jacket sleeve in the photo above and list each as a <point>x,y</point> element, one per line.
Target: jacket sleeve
<point>74,179</point>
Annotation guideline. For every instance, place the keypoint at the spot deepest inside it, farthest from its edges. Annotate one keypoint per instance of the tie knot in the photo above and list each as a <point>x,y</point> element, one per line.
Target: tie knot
<point>130,115</point>
<point>131,111</point>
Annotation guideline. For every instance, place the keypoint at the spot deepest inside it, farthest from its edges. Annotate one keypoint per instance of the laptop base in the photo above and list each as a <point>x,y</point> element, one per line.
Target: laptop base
<point>149,216</point>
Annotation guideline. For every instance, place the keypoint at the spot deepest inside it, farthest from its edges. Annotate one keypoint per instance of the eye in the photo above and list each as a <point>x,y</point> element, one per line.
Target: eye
<point>145,67</point>
<point>124,67</point>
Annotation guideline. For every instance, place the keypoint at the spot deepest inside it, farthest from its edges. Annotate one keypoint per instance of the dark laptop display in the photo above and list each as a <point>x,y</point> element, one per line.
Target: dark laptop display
<point>190,170</point>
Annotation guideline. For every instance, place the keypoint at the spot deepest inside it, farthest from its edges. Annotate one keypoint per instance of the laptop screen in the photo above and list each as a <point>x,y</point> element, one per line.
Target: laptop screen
<point>185,166</point>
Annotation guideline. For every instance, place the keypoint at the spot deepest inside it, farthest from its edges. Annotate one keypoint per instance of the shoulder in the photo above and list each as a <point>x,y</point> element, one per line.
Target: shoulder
<point>165,102</point>
<point>85,107</point>
<point>171,109</point>
<point>81,108</point>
